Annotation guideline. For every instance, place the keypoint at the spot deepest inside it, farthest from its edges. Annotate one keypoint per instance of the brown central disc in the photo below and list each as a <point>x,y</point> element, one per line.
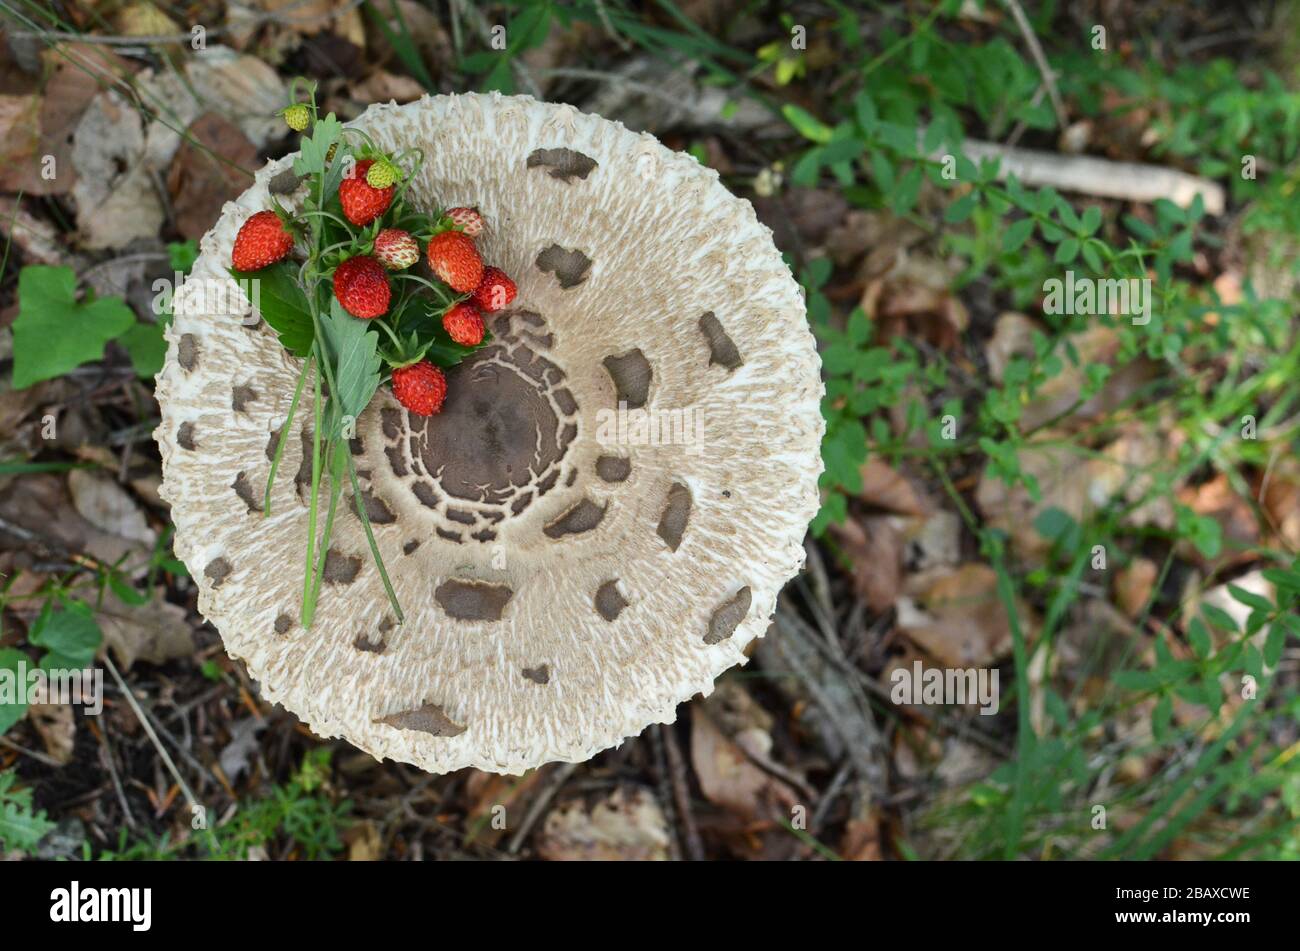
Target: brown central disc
<point>496,433</point>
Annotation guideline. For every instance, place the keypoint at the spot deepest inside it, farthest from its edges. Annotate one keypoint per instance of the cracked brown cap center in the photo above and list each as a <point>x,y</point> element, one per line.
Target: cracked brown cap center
<point>496,433</point>
<point>501,439</point>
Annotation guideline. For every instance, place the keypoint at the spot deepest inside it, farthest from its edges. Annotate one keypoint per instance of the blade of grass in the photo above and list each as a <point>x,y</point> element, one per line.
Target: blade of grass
<point>285,430</point>
<point>370,539</point>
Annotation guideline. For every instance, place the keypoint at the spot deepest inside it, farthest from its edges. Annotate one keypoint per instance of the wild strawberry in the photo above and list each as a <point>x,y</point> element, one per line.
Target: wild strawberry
<point>381,174</point>
<point>420,387</point>
<point>464,324</point>
<point>262,240</point>
<point>495,290</point>
<point>361,202</point>
<point>297,116</point>
<point>455,260</point>
<point>361,286</point>
<point>467,220</point>
<point>396,249</point>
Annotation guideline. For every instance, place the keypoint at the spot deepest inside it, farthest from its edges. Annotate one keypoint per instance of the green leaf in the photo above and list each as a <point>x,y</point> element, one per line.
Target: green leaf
<point>1017,234</point>
<point>281,302</point>
<point>12,706</point>
<point>1162,717</point>
<point>181,255</point>
<point>1219,618</point>
<point>961,209</point>
<point>20,826</point>
<point>146,347</point>
<point>806,124</point>
<point>311,158</point>
<point>70,634</point>
<point>354,352</point>
<point>1067,251</point>
<point>1250,599</point>
<point>909,189</point>
<point>54,333</point>
<point>1199,637</point>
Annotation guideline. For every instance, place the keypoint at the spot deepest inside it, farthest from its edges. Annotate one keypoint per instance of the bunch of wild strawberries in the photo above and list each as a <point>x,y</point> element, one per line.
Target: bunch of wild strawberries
<point>361,269</point>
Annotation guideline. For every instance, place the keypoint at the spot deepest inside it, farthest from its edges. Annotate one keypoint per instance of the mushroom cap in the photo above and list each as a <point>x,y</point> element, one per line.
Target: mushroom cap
<point>567,577</point>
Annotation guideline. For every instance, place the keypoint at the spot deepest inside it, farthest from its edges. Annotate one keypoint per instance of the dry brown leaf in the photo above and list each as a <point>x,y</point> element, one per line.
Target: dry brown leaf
<point>364,842</point>
<point>207,172</point>
<point>57,727</point>
<point>73,75</point>
<point>957,617</point>
<point>626,825</point>
<point>1068,480</point>
<point>144,19</point>
<point>109,507</point>
<point>727,775</point>
<point>931,542</point>
<point>913,297</point>
<point>382,86</point>
<point>41,507</point>
<point>874,549</point>
<point>1059,393</point>
<point>116,200</point>
<point>156,632</point>
<point>1279,495</point>
<point>885,488</point>
<point>1217,499</point>
<point>1013,335</point>
<point>1134,584</point>
<point>861,842</point>
<point>493,800</point>
<point>36,237</point>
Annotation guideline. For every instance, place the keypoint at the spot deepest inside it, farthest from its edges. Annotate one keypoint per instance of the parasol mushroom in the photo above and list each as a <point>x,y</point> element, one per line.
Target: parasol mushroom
<point>569,574</point>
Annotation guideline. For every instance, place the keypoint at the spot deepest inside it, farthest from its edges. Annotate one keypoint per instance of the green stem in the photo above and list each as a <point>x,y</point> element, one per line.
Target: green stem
<point>285,429</point>
<point>308,607</point>
<point>370,539</point>
<point>336,489</point>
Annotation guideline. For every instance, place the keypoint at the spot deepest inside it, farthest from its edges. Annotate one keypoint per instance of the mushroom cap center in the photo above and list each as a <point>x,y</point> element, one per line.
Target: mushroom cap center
<point>497,431</point>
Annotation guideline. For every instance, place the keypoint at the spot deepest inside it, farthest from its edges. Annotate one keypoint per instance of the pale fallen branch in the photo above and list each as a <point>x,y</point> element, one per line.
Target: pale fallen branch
<point>1128,181</point>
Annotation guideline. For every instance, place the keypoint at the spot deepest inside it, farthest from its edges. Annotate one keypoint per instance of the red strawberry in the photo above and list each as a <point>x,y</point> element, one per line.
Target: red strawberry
<point>420,387</point>
<point>262,240</point>
<point>467,219</point>
<point>495,290</point>
<point>396,249</point>
<point>455,260</point>
<point>361,203</point>
<point>464,324</point>
<point>361,286</point>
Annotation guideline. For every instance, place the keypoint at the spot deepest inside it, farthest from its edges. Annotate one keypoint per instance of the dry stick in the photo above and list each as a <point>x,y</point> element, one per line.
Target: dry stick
<point>148,728</point>
<point>866,769</point>
<point>1058,106</point>
<point>1128,181</point>
<point>663,789</point>
<point>681,794</point>
<point>558,779</point>
<point>107,750</point>
<point>39,757</point>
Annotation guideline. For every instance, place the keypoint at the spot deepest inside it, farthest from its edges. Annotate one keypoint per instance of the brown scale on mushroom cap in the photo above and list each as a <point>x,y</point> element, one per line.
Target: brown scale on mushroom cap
<point>505,520</point>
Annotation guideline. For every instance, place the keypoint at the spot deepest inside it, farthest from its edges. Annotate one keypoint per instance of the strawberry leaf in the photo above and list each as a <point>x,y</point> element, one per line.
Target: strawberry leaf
<point>353,350</point>
<point>311,159</point>
<point>278,297</point>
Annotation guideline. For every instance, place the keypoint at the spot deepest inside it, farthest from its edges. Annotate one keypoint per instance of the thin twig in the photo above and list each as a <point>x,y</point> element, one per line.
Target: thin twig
<point>1058,105</point>
<point>148,729</point>
<point>558,779</point>
<point>681,795</point>
<point>39,757</point>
